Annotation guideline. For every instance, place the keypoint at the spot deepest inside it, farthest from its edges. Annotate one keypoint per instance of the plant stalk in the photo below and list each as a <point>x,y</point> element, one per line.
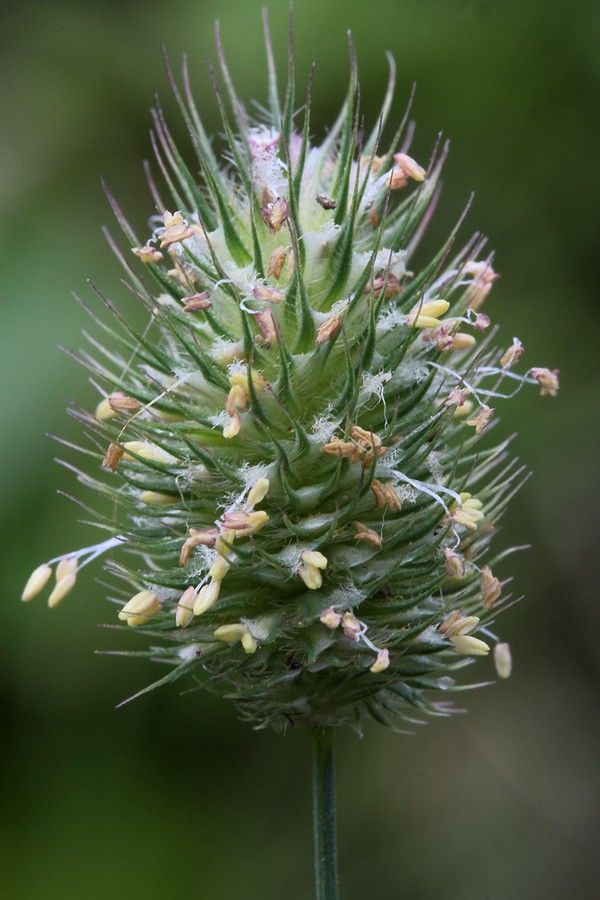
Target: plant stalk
<point>324,818</point>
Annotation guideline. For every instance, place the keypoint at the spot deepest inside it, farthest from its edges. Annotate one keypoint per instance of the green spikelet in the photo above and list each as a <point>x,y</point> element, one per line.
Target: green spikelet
<point>301,502</point>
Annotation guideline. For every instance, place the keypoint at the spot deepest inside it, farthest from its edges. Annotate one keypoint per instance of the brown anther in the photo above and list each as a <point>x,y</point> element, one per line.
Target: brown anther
<point>266,326</point>
<point>481,419</point>
<point>490,587</point>
<point>120,402</point>
<point>275,214</point>
<point>385,495</point>
<point>451,620</point>
<point>366,438</point>
<point>440,337</point>
<point>388,282</point>
<point>276,263</point>
<point>196,301</point>
<point>329,328</point>
<point>547,380</point>
<point>147,254</point>
<point>176,229</point>
<point>112,458</point>
<point>325,201</point>
<point>343,449</point>
<point>367,535</point>
<point>267,294</point>
<point>205,537</point>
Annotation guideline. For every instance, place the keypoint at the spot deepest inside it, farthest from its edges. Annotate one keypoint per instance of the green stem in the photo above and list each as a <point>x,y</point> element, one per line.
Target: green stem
<point>324,823</point>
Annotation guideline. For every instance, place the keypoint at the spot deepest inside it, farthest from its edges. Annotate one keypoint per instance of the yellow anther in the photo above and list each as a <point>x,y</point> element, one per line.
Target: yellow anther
<point>311,576</point>
<point>36,582</point>
<point>207,597</point>
<point>351,625</point>
<point>314,558</point>
<point>184,614</point>
<point>230,634</point>
<point>382,662</point>
<point>503,660</point>
<point>219,569</point>
<point>140,609</point>
<point>426,315</point>
<point>330,618</point>
<point>155,498</point>
<point>257,492</point>
<point>469,646</point>
<point>233,426</point>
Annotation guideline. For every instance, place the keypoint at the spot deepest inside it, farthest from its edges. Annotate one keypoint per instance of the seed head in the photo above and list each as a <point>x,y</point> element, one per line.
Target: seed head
<point>301,357</point>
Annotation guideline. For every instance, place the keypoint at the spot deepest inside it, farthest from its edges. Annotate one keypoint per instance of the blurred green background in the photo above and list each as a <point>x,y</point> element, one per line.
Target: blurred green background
<point>172,797</point>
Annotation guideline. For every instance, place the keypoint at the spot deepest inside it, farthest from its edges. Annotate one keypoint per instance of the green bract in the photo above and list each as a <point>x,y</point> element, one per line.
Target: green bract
<point>300,501</point>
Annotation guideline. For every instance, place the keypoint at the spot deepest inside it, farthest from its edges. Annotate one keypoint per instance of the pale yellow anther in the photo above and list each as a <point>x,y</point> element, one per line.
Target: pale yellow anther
<point>462,341</point>
<point>351,625</point>
<point>330,618</point>
<point>469,514</point>
<point>469,646</point>
<point>224,541</point>
<point>314,558</point>
<point>456,624</point>
<point>257,492</point>
<point>240,378</point>
<point>233,426</point>
<point>426,315</point>
<point>230,634</point>
<point>104,411</point>
<point>409,166</point>
<point>503,660</point>
<point>464,409</point>
<point>67,566</point>
<point>249,643</point>
<point>146,450</point>
<point>36,582</point>
<point>61,589</point>
<point>311,576</point>
<point>237,398</point>
<point>140,609</point>
<point>155,498</point>
<point>490,587</point>
<point>382,662</point>
<point>184,614</point>
<point>219,569</point>
<point>207,597</point>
